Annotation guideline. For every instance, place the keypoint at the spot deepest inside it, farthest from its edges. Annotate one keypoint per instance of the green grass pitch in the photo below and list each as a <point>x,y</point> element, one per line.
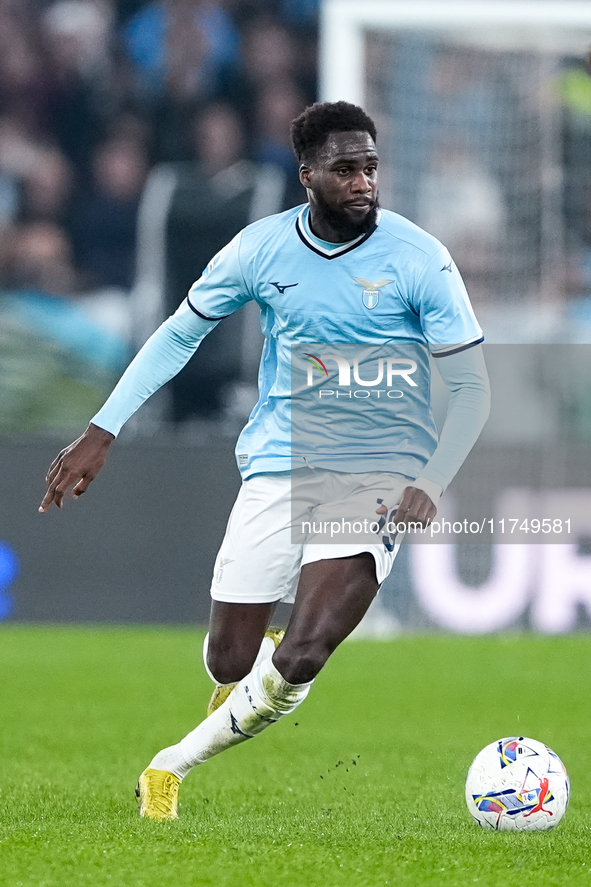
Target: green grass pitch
<point>363,785</point>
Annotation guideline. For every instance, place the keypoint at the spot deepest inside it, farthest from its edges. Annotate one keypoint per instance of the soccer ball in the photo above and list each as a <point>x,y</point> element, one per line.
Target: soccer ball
<point>517,784</point>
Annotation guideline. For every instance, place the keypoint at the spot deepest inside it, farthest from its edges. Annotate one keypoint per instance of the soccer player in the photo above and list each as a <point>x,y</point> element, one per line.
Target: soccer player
<point>336,279</point>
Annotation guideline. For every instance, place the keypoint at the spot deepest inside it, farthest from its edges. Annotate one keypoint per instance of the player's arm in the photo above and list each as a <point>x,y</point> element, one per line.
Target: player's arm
<point>165,353</point>
<point>220,291</point>
<point>465,376</point>
<point>440,299</point>
<point>466,379</point>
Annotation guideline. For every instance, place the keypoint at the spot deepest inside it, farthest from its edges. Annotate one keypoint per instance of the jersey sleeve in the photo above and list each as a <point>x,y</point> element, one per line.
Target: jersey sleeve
<point>444,308</point>
<point>466,379</point>
<point>162,357</point>
<point>222,288</point>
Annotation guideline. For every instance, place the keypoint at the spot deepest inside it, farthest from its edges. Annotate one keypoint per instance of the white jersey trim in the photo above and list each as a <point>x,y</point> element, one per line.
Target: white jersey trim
<point>328,251</point>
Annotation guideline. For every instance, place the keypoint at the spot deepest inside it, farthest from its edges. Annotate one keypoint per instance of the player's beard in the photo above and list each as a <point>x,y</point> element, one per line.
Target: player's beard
<point>343,225</point>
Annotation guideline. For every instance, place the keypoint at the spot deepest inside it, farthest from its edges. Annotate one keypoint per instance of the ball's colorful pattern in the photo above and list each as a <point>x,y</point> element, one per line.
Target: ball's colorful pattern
<point>517,784</point>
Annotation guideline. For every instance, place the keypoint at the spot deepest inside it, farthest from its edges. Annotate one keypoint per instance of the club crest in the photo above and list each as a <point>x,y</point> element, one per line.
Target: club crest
<point>371,291</point>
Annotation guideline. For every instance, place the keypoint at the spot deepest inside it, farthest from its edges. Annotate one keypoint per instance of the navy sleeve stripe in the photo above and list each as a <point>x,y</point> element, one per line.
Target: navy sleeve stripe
<point>204,316</point>
<point>457,348</point>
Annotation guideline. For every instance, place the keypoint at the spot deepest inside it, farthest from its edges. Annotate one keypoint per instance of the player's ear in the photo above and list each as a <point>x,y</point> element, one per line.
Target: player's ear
<point>305,174</point>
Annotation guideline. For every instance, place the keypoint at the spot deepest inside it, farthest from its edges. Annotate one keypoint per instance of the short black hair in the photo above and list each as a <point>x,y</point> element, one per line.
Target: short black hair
<point>310,130</point>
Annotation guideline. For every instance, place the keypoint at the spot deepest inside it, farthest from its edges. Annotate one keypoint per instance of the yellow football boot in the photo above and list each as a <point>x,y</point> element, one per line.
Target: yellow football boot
<point>276,635</point>
<point>218,697</point>
<point>158,793</point>
<point>221,693</point>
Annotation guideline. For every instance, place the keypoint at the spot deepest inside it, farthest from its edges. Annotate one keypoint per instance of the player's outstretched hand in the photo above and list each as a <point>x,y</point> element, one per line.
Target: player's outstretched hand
<point>76,467</point>
<point>415,506</point>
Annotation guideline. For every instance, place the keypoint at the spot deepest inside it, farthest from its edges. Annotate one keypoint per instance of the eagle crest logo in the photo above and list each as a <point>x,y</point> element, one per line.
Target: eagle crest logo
<point>371,291</point>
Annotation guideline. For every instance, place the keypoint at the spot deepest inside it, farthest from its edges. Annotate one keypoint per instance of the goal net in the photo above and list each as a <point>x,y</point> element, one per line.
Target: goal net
<point>483,109</point>
<point>484,118</point>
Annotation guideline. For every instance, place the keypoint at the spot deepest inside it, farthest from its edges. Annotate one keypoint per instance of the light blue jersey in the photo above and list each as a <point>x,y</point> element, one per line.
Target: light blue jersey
<point>395,289</point>
<point>344,376</point>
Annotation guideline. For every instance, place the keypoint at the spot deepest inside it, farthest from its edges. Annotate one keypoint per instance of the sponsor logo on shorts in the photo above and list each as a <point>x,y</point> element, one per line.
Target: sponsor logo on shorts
<point>220,570</point>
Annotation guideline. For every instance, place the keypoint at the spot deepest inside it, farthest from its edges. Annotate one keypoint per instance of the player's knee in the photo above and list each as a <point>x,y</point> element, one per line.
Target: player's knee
<point>226,671</point>
<point>300,662</point>
<point>227,665</point>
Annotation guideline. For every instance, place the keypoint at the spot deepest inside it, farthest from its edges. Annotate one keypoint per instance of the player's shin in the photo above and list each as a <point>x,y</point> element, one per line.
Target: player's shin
<point>258,700</point>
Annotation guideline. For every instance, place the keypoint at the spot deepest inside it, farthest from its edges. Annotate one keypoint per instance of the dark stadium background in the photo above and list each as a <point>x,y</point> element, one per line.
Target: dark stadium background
<point>127,159</point>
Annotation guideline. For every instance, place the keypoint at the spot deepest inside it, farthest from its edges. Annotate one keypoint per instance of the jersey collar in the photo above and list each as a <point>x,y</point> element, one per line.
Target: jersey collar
<point>323,247</point>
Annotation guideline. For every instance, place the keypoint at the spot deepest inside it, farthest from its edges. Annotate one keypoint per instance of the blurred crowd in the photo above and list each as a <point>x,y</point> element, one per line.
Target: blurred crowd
<point>130,128</point>
<point>94,94</point>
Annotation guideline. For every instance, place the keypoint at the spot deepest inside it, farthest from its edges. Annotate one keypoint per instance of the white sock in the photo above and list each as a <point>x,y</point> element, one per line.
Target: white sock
<point>259,700</point>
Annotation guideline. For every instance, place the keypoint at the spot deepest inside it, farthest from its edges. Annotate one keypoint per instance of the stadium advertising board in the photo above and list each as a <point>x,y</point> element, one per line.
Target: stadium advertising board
<point>510,546</point>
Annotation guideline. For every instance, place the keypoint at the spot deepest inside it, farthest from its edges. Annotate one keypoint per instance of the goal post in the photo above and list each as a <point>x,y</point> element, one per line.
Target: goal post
<point>565,24</point>
<point>480,140</point>
<point>483,112</point>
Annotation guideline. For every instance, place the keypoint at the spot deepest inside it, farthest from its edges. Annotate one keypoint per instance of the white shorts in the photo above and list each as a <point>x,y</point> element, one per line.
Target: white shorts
<point>283,520</point>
